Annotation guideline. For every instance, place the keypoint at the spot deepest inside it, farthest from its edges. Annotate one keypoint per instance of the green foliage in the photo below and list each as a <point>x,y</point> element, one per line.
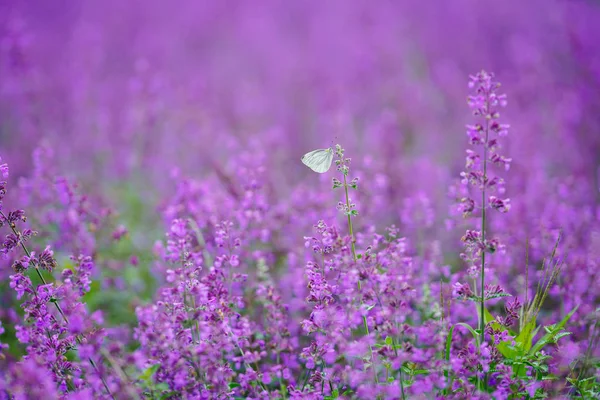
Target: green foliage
<point>477,299</point>
<point>152,389</point>
<point>523,352</point>
<point>587,388</point>
<point>335,394</point>
<point>553,332</point>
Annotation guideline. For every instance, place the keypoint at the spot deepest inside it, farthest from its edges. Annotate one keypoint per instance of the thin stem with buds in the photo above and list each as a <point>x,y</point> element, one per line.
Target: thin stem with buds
<point>354,258</point>
<point>350,221</point>
<point>483,215</point>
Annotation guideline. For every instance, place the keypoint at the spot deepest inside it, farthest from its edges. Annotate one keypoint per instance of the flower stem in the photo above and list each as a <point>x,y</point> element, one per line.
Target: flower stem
<point>481,382</point>
<point>400,378</point>
<point>483,209</point>
<point>351,231</point>
<point>350,220</point>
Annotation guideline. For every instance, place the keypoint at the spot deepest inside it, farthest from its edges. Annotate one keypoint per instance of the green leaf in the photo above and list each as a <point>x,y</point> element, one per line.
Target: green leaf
<point>506,350</point>
<point>388,340</point>
<point>550,337</point>
<point>149,372</point>
<point>162,386</point>
<point>448,347</point>
<point>560,335</point>
<point>470,328</point>
<point>420,372</point>
<point>488,317</point>
<point>503,347</point>
<point>497,295</point>
<point>474,298</point>
<point>526,335</point>
<point>233,385</point>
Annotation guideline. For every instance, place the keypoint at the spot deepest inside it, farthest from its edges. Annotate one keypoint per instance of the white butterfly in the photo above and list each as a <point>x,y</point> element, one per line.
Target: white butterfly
<point>318,160</point>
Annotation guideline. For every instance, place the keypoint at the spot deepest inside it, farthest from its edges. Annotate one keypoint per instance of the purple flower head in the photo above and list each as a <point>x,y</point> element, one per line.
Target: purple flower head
<point>46,259</point>
<point>484,135</point>
<point>119,233</point>
<point>462,290</point>
<point>20,265</point>
<point>499,204</point>
<point>21,284</point>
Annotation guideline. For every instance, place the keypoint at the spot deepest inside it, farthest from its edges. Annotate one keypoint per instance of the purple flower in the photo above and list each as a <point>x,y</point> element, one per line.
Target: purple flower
<point>462,290</point>
<point>498,204</point>
<point>46,259</point>
<point>119,233</point>
<point>21,284</point>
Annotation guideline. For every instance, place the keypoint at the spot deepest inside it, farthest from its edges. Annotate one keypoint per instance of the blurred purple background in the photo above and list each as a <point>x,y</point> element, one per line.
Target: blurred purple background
<point>147,85</point>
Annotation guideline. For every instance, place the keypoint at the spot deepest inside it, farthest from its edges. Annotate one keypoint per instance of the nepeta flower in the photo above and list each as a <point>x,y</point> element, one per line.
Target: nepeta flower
<point>46,260</point>
<point>484,137</point>
<point>462,290</point>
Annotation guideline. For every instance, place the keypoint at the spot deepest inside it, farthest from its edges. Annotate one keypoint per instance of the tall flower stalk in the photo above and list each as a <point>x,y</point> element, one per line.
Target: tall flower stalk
<point>349,209</point>
<point>484,135</point>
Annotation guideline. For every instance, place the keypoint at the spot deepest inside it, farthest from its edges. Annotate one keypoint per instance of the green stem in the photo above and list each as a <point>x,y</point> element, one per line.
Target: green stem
<point>483,215</point>
<point>350,221</point>
<point>235,342</point>
<point>122,374</point>
<point>351,231</point>
<point>400,378</point>
<point>307,374</point>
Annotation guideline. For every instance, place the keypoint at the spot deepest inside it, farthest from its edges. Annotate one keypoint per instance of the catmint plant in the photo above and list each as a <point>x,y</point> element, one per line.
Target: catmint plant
<point>485,137</point>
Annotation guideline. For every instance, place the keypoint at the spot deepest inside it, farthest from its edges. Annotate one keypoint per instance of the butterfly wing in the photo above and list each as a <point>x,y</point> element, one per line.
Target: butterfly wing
<point>318,160</point>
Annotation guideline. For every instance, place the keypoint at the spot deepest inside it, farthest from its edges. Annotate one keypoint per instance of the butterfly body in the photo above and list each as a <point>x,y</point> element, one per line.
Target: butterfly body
<point>318,160</point>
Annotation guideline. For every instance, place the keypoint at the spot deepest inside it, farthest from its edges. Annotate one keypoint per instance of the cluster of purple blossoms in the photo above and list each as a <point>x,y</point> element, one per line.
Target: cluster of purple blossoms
<point>484,136</point>
<point>62,339</point>
<point>194,332</point>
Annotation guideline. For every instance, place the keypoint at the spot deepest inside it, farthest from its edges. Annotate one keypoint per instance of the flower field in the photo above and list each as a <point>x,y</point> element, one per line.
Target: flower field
<point>299,199</point>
